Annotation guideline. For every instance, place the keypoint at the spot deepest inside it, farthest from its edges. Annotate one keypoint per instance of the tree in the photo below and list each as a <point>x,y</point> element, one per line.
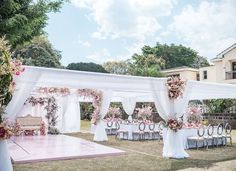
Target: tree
<point>81,66</point>
<point>146,65</point>
<point>116,67</point>
<point>175,55</point>
<point>219,105</point>
<point>21,20</point>
<point>39,52</point>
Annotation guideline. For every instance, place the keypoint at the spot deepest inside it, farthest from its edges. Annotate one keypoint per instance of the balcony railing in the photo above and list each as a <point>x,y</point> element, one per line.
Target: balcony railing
<point>230,75</point>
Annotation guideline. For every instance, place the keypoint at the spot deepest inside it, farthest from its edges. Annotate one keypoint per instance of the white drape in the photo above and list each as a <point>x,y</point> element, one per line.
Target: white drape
<point>100,133</point>
<point>171,109</point>
<point>23,90</point>
<point>71,115</point>
<point>5,160</point>
<point>129,106</point>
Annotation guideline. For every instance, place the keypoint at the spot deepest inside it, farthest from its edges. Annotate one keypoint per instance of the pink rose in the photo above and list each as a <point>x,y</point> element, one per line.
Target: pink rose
<point>17,72</point>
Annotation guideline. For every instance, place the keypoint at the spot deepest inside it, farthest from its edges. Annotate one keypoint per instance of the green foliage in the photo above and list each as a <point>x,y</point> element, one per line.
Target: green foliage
<point>81,66</point>
<point>86,110</point>
<point>219,105</point>
<point>21,20</point>
<point>116,67</point>
<point>146,65</point>
<point>6,76</point>
<point>39,52</point>
<point>175,55</point>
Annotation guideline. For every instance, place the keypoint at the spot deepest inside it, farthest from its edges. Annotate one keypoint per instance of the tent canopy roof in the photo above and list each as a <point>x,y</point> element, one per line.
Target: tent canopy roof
<point>122,86</point>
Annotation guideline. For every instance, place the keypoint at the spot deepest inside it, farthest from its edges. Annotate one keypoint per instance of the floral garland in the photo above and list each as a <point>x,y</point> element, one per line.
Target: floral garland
<point>34,101</point>
<point>97,101</point>
<point>144,112</point>
<point>175,87</point>
<point>174,124</point>
<point>54,90</point>
<point>9,68</point>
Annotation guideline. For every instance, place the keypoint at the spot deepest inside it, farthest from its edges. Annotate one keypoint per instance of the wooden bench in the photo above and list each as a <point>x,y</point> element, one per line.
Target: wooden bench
<point>29,123</point>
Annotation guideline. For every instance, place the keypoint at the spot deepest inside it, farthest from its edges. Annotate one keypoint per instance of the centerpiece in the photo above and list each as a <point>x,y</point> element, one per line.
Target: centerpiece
<point>145,112</point>
<point>114,113</point>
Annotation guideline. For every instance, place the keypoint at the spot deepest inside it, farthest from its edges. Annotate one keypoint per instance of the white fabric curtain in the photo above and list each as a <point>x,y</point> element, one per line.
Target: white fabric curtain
<point>63,104</point>
<point>129,106</point>
<point>100,132</point>
<point>5,160</point>
<point>71,115</point>
<point>23,89</point>
<point>171,109</point>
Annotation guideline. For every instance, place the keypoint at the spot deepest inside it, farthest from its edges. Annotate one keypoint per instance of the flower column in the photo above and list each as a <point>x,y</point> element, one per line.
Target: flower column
<point>8,68</point>
<point>171,98</point>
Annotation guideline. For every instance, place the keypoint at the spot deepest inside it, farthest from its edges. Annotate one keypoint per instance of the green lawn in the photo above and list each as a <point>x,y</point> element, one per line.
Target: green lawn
<point>85,126</point>
<point>145,155</point>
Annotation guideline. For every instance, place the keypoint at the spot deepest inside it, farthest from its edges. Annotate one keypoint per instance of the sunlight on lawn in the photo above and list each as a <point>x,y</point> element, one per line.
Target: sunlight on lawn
<point>85,126</point>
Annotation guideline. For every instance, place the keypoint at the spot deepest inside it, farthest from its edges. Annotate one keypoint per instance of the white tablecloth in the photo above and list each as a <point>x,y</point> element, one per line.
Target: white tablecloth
<point>133,127</point>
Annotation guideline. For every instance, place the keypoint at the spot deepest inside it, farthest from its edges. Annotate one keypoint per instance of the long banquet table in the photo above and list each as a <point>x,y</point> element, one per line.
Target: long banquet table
<point>134,127</point>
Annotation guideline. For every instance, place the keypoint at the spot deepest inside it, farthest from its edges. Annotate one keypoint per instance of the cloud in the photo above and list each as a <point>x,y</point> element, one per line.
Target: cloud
<point>209,28</point>
<point>83,43</point>
<point>136,19</point>
<point>100,56</point>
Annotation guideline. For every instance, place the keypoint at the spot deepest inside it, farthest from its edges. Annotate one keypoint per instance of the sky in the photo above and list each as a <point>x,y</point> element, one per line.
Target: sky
<point>105,30</point>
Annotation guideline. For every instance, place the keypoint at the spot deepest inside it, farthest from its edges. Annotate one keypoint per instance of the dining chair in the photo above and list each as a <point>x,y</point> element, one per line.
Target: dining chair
<point>227,134</point>
<point>161,126</point>
<point>109,127</point>
<point>140,132</point>
<point>218,136</point>
<point>152,132</point>
<point>199,138</point>
<point>119,132</point>
<point>209,136</point>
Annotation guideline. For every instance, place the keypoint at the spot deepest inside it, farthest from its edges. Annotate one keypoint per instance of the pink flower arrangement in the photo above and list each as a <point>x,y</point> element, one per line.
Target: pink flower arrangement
<point>6,131</point>
<point>174,124</point>
<point>175,87</point>
<point>144,112</point>
<point>97,101</point>
<point>194,114</point>
<point>42,129</point>
<point>114,112</point>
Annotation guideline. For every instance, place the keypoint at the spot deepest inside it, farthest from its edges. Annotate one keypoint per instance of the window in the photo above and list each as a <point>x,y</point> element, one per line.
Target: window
<point>234,69</point>
<point>234,66</point>
<point>204,75</point>
<point>198,77</point>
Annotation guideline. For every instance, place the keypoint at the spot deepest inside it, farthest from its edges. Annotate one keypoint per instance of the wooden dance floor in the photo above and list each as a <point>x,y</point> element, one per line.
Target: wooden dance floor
<point>25,149</point>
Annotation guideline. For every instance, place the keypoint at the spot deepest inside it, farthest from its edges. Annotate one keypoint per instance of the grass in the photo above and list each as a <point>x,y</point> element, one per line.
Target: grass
<point>85,125</point>
<point>145,155</point>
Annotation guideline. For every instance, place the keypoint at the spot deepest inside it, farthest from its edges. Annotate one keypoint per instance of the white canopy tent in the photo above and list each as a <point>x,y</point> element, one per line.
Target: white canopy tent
<point>121,88</point>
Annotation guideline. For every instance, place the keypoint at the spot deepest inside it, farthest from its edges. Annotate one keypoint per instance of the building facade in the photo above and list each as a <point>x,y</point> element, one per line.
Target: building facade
<point>222,70</point>
<point>184,72</point>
